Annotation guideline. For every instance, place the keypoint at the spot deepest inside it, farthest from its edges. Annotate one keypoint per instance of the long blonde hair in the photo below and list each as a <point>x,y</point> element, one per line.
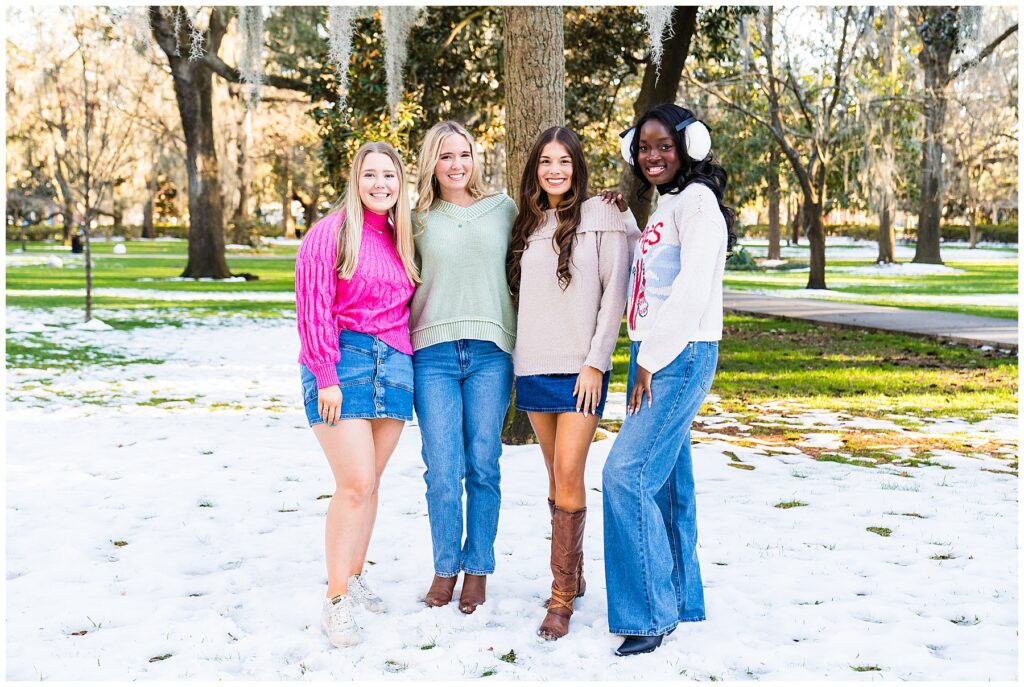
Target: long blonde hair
<point>350,232</point>
<point>427,186</point>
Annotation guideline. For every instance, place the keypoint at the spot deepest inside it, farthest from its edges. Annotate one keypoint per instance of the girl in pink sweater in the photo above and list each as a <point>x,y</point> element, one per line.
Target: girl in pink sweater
<point>354,276</point>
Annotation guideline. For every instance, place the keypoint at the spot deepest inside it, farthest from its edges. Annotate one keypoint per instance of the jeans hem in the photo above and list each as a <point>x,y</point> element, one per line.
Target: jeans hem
<point>642,633</point>
<point>475,572</point>
<point>695,619</point>
<point>454,574</point>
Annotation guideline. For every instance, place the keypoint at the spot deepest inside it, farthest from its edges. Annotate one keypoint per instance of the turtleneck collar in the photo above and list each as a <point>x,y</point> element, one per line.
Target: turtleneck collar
<point>371,218</point>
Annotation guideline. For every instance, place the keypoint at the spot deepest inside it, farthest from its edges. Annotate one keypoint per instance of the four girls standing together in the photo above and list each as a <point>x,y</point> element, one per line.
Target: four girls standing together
<point>440,307</point>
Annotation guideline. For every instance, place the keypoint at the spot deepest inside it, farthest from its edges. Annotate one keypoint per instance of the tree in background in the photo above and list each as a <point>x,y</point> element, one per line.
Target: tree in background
<point>982,132</point>
<point>887,117</point>
<point>943,31</point>
<point>809,104</point>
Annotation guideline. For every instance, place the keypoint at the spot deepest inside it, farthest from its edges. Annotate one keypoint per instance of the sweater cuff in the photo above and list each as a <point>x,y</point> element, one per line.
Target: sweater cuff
<point>649,359</point>
<point>598,362</point>
<point>326,375</point>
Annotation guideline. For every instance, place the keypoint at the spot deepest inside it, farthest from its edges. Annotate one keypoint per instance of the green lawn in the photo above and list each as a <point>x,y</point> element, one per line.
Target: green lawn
<point>861,373</point>
<point>977,278</point>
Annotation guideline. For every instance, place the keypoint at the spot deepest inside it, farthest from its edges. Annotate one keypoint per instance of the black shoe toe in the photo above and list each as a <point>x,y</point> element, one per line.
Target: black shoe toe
<point>635,644</point>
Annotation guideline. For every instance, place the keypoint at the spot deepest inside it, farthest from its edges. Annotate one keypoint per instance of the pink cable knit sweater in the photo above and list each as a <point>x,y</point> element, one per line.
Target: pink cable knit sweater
<point>374,301</point>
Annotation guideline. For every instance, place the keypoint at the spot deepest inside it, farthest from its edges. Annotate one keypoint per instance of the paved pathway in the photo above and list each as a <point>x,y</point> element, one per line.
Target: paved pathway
<point>968,329</point>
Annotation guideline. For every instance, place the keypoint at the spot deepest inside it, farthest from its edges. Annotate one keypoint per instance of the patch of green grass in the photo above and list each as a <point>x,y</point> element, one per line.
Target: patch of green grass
<point>942,557</point>
<point>964,620</point>
<point>160,400</point>
<point>510,657</point>
<point>790,504</point>
<point>870,374</point>
<point>33,351</point>
<point>864,669</point>
<point>880,531</point>
<point>845,460</point>
<point>394,666</point>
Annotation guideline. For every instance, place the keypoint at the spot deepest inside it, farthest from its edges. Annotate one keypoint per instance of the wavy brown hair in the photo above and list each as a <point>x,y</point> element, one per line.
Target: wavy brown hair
<point>533,201</point>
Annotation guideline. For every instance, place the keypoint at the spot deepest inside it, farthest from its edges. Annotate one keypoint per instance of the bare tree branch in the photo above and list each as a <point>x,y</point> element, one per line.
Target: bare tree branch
<point>988,50</point>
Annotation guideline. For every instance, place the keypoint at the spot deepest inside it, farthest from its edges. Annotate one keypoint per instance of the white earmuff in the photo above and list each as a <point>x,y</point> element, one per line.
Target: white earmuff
<point>625,143</point>
<point>698,140</point>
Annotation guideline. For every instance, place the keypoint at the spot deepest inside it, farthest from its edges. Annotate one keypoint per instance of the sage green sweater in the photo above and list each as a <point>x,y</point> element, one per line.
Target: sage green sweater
<point>461,254</point>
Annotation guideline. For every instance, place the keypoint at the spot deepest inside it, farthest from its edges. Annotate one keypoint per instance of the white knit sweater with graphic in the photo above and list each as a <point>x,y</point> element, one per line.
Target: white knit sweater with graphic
<point>675,283</point>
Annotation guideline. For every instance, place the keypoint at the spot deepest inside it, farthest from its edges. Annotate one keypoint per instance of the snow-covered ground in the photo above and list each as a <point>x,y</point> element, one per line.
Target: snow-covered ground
<point>164,522</point>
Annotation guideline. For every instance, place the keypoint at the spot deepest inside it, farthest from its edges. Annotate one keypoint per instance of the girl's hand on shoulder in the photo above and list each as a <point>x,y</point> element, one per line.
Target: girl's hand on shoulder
<point>588,390</point>
<point>641,386</point>
<point>329,404</point>
<point>611,196</point>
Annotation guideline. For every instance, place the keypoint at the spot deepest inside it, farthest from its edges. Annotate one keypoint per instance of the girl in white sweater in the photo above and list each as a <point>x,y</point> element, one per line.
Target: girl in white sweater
<point>674,316</point>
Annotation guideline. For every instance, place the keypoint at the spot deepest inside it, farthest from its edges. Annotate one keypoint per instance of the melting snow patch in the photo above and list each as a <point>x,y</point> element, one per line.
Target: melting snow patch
<point>93,325</point>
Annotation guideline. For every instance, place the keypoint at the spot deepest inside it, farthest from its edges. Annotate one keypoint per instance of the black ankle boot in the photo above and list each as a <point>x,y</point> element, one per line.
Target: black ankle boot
<point>636,644</point>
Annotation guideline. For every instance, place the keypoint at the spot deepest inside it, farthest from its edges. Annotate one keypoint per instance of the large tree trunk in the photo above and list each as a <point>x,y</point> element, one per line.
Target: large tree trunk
<point>148,226</point>
<point>930,215</point>
<point>656,90</point>
<point>67,201</point>
<point>797,223</point>
<point>972,214</point>
<point>887,194</point>
<point>193,90</point>
<point>937,44</point>
<point>886,235</point>
<point>308,202</point>
<point>86,233</point>
<point>774,225</point>
<point>534,59</point>
<point>534,81</point>
<point>287,220</point>
<point>816,238</point>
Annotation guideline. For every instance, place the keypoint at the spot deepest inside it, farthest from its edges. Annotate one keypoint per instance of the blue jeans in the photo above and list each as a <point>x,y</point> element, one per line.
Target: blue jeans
<point>461,394</point>
<point>650,515</point>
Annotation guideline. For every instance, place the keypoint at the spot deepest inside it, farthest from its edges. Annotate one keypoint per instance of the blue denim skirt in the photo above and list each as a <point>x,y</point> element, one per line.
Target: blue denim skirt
<point>553,393</point>
<point>376,381</point>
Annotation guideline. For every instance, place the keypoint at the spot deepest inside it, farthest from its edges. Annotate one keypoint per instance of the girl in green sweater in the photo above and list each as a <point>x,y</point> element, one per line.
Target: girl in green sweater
<point>462,327</point>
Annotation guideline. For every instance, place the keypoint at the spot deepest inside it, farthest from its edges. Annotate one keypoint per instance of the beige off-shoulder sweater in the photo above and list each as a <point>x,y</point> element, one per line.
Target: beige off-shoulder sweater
<point>558,332</point>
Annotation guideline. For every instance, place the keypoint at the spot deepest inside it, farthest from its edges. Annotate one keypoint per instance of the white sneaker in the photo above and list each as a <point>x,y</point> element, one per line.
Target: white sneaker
<point>364,596</point>
<point>338,622</point>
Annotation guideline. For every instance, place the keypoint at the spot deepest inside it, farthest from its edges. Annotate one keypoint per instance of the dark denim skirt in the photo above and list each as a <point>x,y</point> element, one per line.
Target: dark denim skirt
<point>376,381</point>
<point>553,393</point>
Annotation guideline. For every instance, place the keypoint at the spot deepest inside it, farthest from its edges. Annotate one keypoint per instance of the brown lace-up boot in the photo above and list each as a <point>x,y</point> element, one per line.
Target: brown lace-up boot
<point>566,556</point>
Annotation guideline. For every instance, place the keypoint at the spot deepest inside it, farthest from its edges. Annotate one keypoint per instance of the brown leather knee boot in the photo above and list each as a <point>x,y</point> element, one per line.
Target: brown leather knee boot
<point>582,587</point>
<point>566,556</point>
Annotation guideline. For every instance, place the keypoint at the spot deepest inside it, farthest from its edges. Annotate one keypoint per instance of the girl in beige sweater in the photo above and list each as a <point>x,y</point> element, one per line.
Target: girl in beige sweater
<point>568,268</point>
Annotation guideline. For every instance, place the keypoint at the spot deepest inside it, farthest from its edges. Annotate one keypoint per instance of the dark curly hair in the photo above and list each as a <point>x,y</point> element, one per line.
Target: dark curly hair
<point>707,171</point>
